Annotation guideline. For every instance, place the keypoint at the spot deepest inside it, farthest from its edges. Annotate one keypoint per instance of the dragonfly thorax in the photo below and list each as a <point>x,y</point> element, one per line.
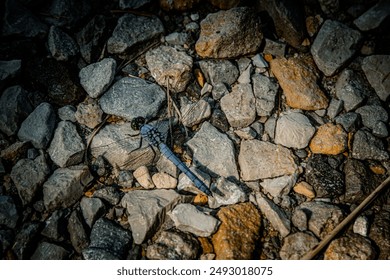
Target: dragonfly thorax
<point>151,134</point>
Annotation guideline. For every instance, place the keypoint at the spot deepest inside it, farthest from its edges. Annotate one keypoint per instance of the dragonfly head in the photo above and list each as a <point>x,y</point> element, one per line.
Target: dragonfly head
<point>137,122</point>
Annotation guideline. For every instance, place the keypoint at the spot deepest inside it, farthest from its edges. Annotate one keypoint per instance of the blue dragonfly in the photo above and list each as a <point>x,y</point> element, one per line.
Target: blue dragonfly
<point>153,136</point>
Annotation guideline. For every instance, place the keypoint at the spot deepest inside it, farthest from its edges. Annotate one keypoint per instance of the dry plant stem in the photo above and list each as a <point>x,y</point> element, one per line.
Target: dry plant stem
<point>96,130</point>
<point>310,255</point>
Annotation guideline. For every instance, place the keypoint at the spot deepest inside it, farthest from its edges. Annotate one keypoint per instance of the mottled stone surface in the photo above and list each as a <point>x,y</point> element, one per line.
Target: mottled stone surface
<point>367,146</point>
<point>238,233</point>
<point>354,247</point>
<point>376,68</point>
<point>296,245</point>
<point>329,139</point>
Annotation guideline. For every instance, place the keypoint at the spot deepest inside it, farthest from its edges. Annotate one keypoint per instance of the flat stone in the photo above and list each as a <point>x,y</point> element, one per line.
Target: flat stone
<point>189,219</point>
<point>326,181</point>
<point>318,217</point>
<point>305,189</point>
<point>169,67</point>
<point>194,113</point>
<point>133,32</point>
<point>143,177</point>
<point>185,184</point>
<point>377,69</point>
<point>329,139</point>
<point>274,161</point>
<point>97,77</point>
<point>65,186</point>
<point>92,209</point>
<point>77,234</point>
<point>238,233</point>
<point>164,181</point>
<point>38,127</point>
<point>373,17</point>
<point>108,241</point>
<point>209,141</point>
<point>61,46</point>
<point>279,186</point>
<point>350,121</point>
<point>334,108</point>
<point>89,113</point>
<point>28,176</point>
<point>350,89</point>
<point>173,245</point>
<point>296,245</point>
<point>8,213</point>
<point>372,114</point>
<point>146,210</point>
<point>239,106</point>
<point>226,192</point>
<point>230,33</point>
<point>354,247</point>
<point>67,147</point>
<point>334,45</point>
<point>15,107</point>
<point>132,97</point>
<point>275,48</point>
<point>293,130</point>
<point>50,251</point>
<point>264,90</point>
<point>367,146</point>
<point>298,78</point>
<point>361,226</point>
<point>221,71</point>
<point>177,38</point>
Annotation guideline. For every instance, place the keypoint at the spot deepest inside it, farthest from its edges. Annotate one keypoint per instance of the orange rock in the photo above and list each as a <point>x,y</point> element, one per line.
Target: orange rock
<point>207,247</point>
<point>200,199</point>
<point>305,189</point>
<point>298,78</point>
<point>329,139</point>
<point>377,169</point>
<point>199,77</point>
<point>238,233</point>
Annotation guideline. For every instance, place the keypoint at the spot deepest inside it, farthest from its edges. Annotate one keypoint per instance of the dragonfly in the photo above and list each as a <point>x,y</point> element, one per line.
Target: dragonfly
<point>154,137</point>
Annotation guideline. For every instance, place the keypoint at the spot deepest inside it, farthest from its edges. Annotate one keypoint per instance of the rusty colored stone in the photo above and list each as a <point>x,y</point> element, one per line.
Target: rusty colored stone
<point>207,247</point>
<point>329,139</point>
<point>238,233</point>
<point>298,78</point>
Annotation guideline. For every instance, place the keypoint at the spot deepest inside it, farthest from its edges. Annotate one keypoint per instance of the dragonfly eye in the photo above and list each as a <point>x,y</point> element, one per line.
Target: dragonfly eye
<point>137,122</point>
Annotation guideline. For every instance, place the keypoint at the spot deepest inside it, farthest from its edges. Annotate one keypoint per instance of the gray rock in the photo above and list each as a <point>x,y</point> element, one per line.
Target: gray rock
<point>334,108</point>
<point>275,48</point>
<point>67,13</point>
<point>230,33</point>
<point>133,97</point>
<point>376,68</point>
<point>49,251</point>
<point>67,147</point>
<point>39,126</point>
<point>329,7</point>
<point>274,214</point>
<point>132,32</point>
<point>61,46</point>
<point>194,113</point>
<point>15,107</point>
<point>373,18</point>
<point>353,247</point>
<point>239,106</point>
<point>372,114</point>
<point>380,130</point>
<point>350,121</point>
<point>289,20</point>
<point>361,226</point>
<point>247,133</point>
<point>296,245</point>
<point>65,186</point>
<point>279,186</point>
<point>349,88</point>
<point>169,67</point>
<point>274,160</point>
<point>259,61</point>
<point>18,20</point>
<point>115,143</point>
<point>171,245</point>
<point>67,113</point>
<point>77,234</point>
<point>97,77</point>
<point>367,146</point>
<point>188,218</point>
<point>218,120</point>
<point>28,176</point>
<point>357,181</point>
<point>109,194</point>
<point>146,210</point>
<point>90,38</point>
<point>25,239</point>
<point>92,209</point>
<point>334,45</point>
<point>219,71</point>
<point>226,192</point>
<point>326,181</point>
<point>185,184</point>
<point>55,225</point>
<point>293,130</point>
<point>133,4</point>
<point>8,212</point>
<point>89,113</point>
<point>177,38</point>
<point>265,90</point>
<point>245,77</point>
<point>380,233</point>
<point>209,141</point>
<point>9,70</point>
<point>109,241</point>
<point>318,217</point>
